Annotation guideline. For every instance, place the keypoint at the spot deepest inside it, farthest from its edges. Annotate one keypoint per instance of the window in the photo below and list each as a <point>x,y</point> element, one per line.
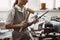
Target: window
<point>34,4</point>
<point>5,5</point>
<point>49,3</point>
<point>57,3</point>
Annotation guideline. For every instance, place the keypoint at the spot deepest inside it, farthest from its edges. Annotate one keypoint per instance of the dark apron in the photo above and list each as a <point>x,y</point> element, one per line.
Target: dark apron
<point>16,35</point>
<point>20,35</point>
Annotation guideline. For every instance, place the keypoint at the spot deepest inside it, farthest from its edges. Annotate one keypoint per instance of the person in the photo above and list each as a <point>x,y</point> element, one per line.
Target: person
<point>18,19</point>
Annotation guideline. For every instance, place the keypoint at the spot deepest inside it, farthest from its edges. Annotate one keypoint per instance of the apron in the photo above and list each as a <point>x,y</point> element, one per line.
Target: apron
<point>16,35</point>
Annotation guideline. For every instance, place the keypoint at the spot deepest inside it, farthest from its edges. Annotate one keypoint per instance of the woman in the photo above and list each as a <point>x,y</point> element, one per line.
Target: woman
<point>18,18</point>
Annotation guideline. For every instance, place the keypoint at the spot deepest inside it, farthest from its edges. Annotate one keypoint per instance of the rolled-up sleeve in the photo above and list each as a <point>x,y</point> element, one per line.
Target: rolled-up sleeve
<point>10,16</point>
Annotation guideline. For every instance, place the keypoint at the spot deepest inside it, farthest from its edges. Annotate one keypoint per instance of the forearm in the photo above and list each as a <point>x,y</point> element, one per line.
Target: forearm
<point>12,26</point>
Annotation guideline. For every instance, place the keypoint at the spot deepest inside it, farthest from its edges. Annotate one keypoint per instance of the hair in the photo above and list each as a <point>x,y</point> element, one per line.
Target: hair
<point>16,2</point>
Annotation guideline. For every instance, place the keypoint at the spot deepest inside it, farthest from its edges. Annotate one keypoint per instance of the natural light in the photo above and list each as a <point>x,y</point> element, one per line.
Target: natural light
<point>7,4</point>
<point>4,4</point>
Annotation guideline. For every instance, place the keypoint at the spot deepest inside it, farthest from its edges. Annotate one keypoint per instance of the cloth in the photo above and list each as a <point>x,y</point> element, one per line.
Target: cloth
<point>20,36</point>
<point>16,16</point>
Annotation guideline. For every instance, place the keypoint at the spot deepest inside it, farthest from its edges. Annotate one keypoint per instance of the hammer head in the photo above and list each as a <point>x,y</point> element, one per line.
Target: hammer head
<point>30,10</point>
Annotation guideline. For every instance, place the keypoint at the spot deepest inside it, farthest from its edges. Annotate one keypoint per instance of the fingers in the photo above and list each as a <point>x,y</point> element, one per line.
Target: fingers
<point>24,24</point>
<point>35,21</point>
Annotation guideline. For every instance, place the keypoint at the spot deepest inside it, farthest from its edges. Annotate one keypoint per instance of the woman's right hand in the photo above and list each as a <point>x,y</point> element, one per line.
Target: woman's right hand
<point>35,21</point>
<point>23,23</point>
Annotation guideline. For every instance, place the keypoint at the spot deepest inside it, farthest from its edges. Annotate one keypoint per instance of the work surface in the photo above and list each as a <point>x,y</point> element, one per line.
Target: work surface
<point>5,34</point>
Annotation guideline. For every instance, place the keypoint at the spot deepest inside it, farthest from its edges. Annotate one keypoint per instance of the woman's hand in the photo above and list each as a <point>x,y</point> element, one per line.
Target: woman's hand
<point>35,21</point>
<point>23,23</point>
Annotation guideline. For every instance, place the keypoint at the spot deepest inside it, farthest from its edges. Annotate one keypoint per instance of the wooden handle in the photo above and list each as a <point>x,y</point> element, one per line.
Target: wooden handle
<point>21,29</point>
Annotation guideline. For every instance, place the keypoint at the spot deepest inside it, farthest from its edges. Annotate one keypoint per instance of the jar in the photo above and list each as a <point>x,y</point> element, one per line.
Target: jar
<point>43,6</point>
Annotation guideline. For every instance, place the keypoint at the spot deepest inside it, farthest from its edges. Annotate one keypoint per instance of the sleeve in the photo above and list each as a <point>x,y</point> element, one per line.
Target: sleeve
<point>10,17</point>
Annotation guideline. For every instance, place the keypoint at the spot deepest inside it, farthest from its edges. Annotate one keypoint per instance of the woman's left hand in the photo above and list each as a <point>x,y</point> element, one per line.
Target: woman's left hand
<point>35,21</point>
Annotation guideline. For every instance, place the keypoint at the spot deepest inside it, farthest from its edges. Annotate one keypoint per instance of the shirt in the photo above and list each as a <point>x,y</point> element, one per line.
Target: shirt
<point>11,14</point>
